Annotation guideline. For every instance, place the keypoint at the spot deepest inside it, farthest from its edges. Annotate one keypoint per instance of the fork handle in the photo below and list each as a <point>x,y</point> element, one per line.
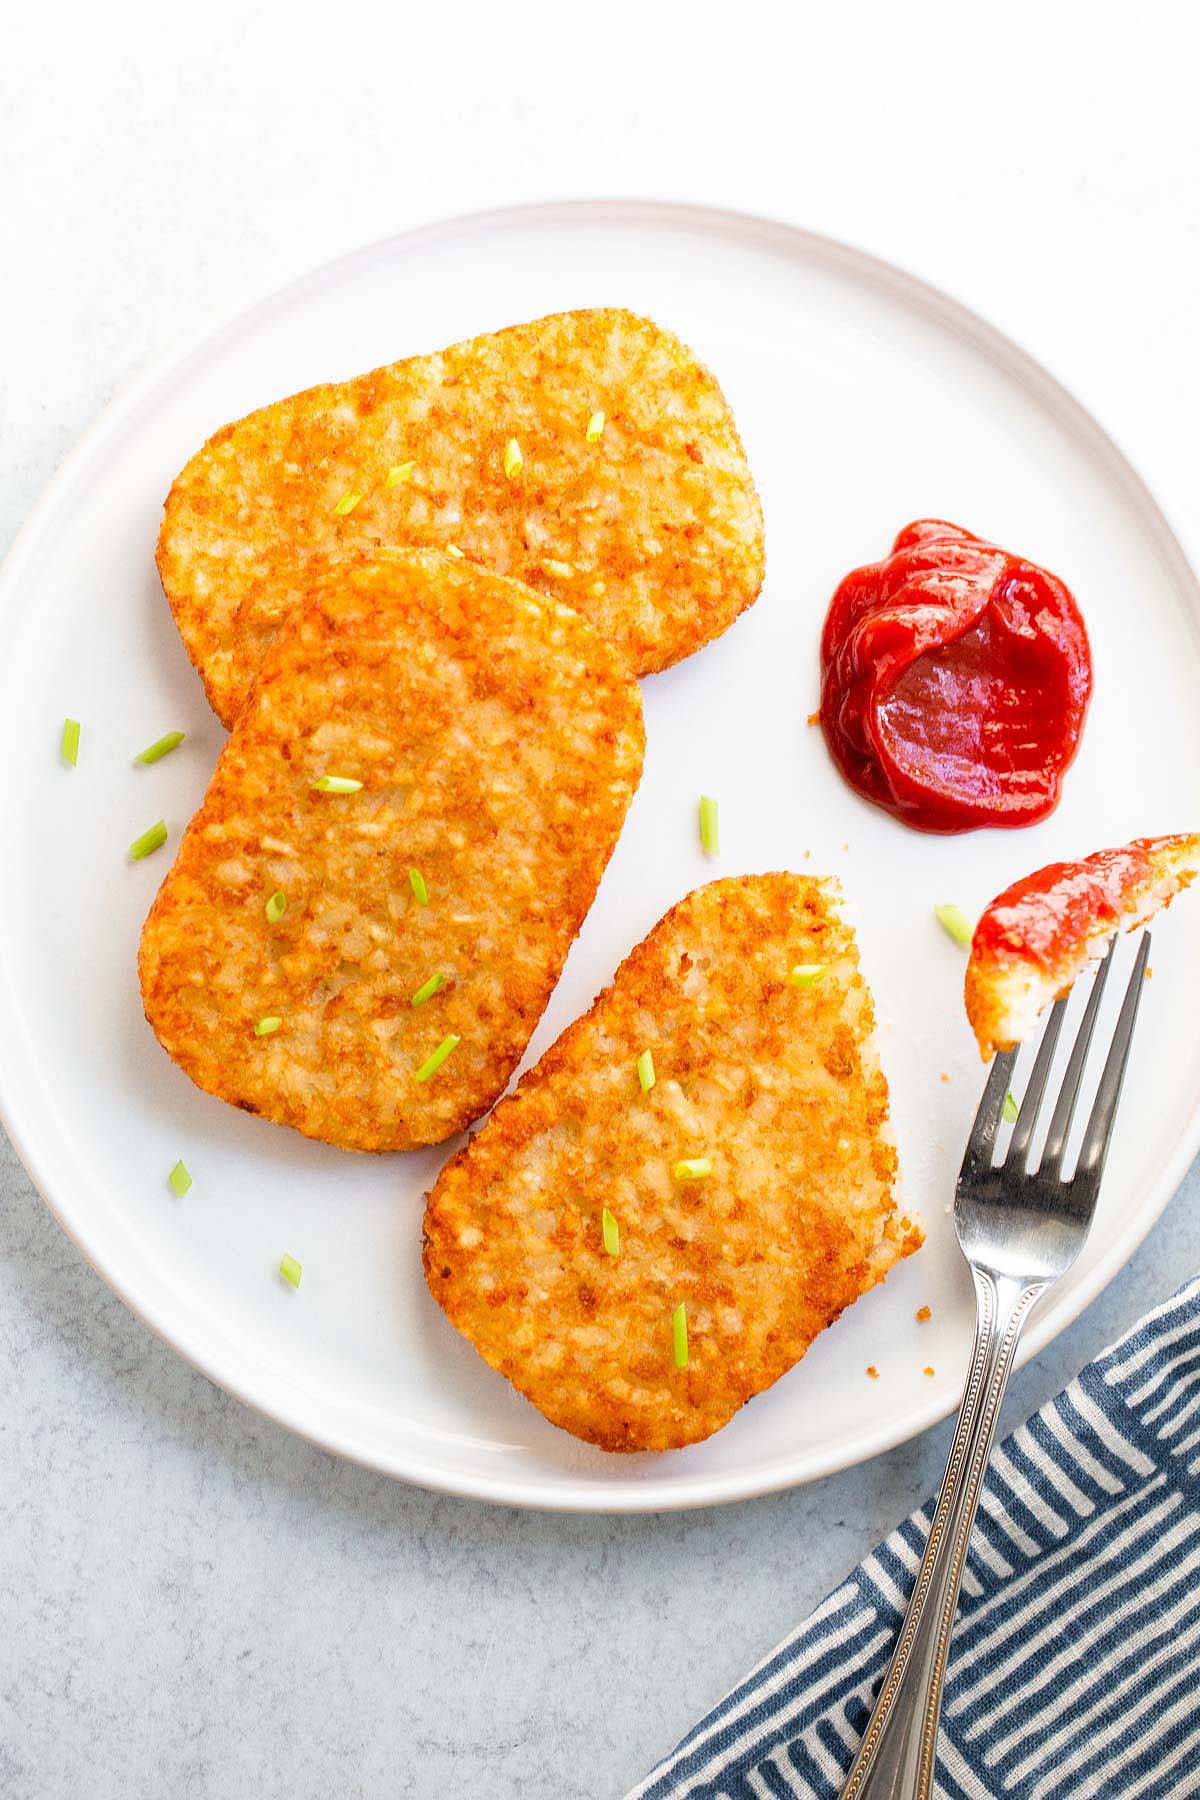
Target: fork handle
<point>896,1757</point>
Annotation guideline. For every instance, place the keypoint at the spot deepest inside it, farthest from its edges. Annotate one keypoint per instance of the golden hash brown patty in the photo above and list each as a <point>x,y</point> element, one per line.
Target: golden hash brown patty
<point>651,529</point>
<point>498,742</point>
<point>775,1084</point>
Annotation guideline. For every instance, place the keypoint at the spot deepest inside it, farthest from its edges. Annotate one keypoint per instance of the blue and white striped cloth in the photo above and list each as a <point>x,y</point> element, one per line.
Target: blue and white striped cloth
<point>1075,1667</point>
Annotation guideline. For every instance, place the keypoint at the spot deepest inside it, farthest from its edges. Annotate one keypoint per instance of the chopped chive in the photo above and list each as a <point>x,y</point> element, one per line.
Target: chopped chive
<point>693,1168</point>
<point>433,1063</point>
<point>427,990</point>
<point>679,1333</point>
<point>595,428</point>
<point>70,742</point>
<point>276,906</point>
<point>335,784</point>
<point>612,1233</point>
<point>400,472</point>
<point>416,882</point>
<point>347,504</point>
<point>268,1026</point>
<point>152,839</point>
<point>645,1069</point>
<point>808,974</point>
<point>179,1181</point>
<point>454,551</point>
<point>514,462</point>
<point>709,834</point>
<point>1011,1109</point>
<point>955,921</point>
<point>290,1269</point>
<point>161,747</point>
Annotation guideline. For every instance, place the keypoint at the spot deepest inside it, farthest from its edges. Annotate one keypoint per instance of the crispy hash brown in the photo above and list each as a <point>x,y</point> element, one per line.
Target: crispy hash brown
<point>487,744</point>
<point>1037,937</point>
<point>588,454</point>
<point>773,1083</point>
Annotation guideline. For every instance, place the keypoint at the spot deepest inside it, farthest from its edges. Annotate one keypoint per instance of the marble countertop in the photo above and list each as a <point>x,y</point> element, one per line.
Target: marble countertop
<point>197,1604</point>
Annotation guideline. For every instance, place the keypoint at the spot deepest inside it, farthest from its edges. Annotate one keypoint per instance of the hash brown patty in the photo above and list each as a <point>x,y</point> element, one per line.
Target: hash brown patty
<point>650,526</point>
<point>775,1084</point>
<point>1034,940</point>
<point>498,742</point>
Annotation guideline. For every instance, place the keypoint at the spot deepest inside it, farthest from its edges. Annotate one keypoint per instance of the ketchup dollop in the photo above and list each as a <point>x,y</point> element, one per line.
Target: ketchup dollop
<point>955,679</point>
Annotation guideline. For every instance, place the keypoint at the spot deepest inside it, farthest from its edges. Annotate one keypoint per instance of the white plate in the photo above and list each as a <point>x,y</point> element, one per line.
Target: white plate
<point>865,399</point>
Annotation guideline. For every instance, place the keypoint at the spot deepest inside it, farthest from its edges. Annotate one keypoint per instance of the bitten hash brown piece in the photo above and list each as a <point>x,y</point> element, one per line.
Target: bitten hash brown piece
<point>498,742</point>
<point>651,527</point>
<point>1035,939</point>
<point>777,1085</point>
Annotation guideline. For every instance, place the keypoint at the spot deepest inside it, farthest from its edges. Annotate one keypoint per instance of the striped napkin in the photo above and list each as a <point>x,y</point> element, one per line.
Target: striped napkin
<point>1075,1666</point>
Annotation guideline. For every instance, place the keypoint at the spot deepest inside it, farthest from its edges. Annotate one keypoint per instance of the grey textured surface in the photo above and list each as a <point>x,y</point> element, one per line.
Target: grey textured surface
<point>196,1605</point>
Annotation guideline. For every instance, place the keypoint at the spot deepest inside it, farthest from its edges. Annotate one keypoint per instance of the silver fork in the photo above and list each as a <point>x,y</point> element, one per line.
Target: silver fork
<point>1019,1231</point>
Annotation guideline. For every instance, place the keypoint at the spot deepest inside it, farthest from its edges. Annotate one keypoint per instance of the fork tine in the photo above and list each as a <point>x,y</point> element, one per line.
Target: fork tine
<point>1104,1108</point>
<point>1035,1087</point>
<point>987,1119</point>
<point>1064,1111</point>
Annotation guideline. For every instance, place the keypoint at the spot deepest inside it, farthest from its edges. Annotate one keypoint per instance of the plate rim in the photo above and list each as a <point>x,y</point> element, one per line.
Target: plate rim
<point>220,1363</point>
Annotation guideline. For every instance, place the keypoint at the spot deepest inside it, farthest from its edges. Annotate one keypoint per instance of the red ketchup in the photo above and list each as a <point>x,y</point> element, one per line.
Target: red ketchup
<point>954,682</point>
<point>1050,916</point>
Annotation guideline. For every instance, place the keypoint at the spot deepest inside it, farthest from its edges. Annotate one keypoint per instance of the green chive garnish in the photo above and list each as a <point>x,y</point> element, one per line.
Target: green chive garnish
<point>454,551</point>
<point>179,1181</point>
<point>679,1333</point>
<point>709,835</point>
<point>347,504</point>
<point>70,742</point>
<point>514,462</point>
<point>612,1233</point>
<point>400,472</point>
<point>955,921</point>
<point>268,1026</point>
<point>427,990</point>
<point>693,1168</point>
<point>416,882</point>
<point>433,1063</point>
<point>150,840</point>
<point>1011,1109</point>
<point>290,1269</point>
<point>336,784</point>
<point>808,974</point>
<point>276,906</point>
<point>595,428</point>
<point>645,1068</point>
<point>161,747</point>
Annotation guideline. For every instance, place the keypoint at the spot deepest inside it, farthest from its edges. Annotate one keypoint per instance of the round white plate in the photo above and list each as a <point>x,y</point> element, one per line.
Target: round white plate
<point>865,399</point>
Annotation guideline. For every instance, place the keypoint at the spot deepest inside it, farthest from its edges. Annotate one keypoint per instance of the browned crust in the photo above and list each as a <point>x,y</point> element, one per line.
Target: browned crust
<point>499,743</point>
<point>777,1084</point>
<point>654,533</point>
